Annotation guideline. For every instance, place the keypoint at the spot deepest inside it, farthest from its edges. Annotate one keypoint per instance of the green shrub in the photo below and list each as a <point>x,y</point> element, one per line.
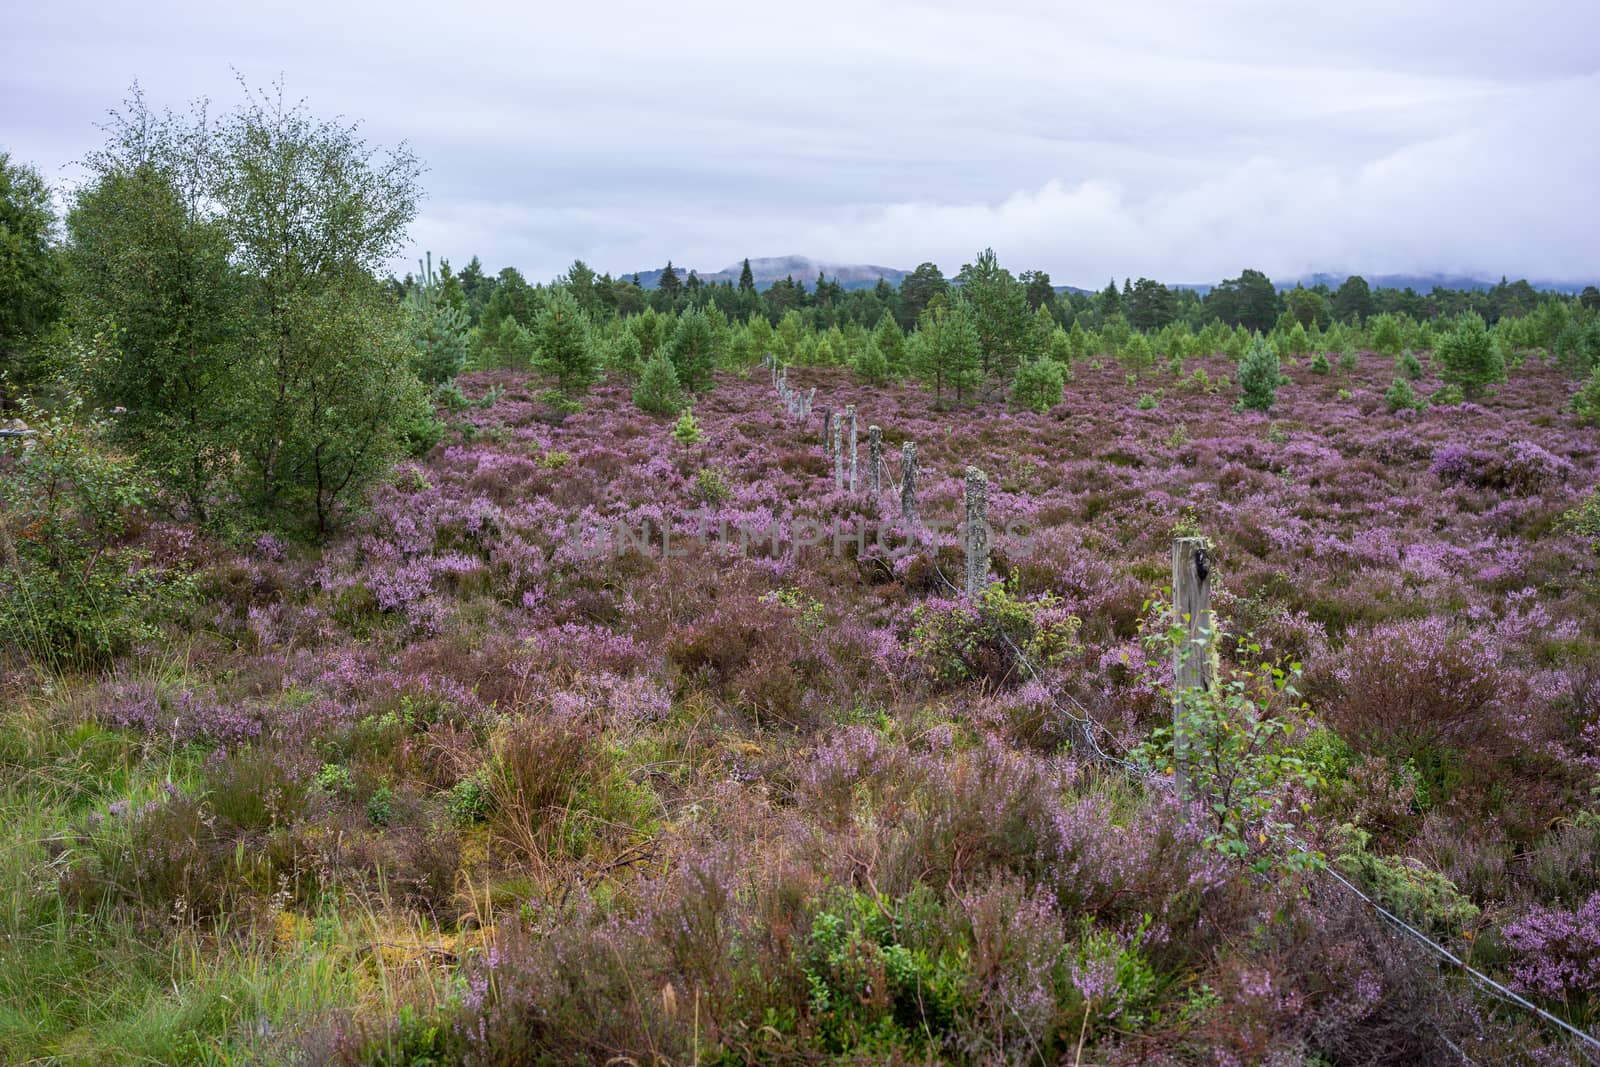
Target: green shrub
<point>870,364</point>
<point>871,985</point>
<point>1405,886</point>
<point>1410,366</point>
<point>1585,519</point>
<point>470,800</point>
<point>1232,744</point>
<point>1147,402</point>
<point>1586,402</point>
<point>1469,358</point>
<point>687,429</point>
<point>1037,385</point>
<point>73,591</point>
<point>1319,364</point>
<point>711,486</point>
<point>1400,395</point>
<point>657,390</point>
<point>1259,372</point>
<point>962,641</point>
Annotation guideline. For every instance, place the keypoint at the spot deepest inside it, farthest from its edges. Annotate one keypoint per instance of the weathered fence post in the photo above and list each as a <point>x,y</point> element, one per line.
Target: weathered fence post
<point>827,431</point>
<point>874,461</point>
<point>908,483</point>
<point>850,414</point>
<point>838,453</point>
<point>1191,659</point>
<point>976,535</point>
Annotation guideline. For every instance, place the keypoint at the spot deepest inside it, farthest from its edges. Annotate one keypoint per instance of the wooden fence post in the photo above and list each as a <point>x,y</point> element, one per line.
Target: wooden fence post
<point>850,414</point>
<point>827,431</point>
<point>1191,659</point>
<point>838,453</point>
<point>908,483</point>
<point>976,535</point>
<point>874,461</point>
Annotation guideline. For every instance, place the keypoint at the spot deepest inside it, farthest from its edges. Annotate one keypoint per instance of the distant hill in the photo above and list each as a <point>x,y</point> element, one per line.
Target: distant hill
<point>865,275</point>
<point>1426,283</point>
<point>776,268</point>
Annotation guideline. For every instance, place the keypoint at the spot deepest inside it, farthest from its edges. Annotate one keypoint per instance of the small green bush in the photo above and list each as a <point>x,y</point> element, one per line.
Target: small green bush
<point>1400,396</point>
<point>658,391</point>
<point>687,429</point>
<point>74,590</point>
<point>1037,385</point>
<point>1259,372</point>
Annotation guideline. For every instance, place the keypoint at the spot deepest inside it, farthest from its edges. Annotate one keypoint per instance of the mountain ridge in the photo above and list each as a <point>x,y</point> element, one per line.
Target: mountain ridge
<point>769,269</point>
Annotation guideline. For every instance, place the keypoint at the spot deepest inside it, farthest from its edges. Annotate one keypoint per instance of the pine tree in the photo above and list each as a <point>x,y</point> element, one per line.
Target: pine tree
<point>890,343</point>
<point>658,391</point>
<point>1400,395</point>
<point>692,349</point>
<point>561,334</point>
<point>668,283</point>
<point>945,350</point>
<point>1586,402</point>
<point>1469,358</point>
<point>1386,338</point>
<point>747,280</point>
<point>870,365</point>
<point>1037,385</point>
<point>1258,376</point>
<point>439,329</point>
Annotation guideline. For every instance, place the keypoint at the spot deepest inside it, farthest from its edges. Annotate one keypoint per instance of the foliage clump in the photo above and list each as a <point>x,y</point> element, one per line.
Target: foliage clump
<point>1259,372</point>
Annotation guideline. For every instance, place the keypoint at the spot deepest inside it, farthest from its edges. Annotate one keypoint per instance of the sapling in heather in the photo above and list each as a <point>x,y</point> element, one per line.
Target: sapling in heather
<point>1469,358</point>
<point>658,391</point>
<point>1259,372</point>
<point>1037,385</point>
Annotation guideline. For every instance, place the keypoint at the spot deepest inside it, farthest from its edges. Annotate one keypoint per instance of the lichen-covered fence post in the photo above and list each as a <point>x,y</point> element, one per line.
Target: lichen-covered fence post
<point>908,483</point>
<point>838,453</point>
<point>874,461</point>
<point>1191,658</point>
<point>850,414</point>
<point>976,534</point>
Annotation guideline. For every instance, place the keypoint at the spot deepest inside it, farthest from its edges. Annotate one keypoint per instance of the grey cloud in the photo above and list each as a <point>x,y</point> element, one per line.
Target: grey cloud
<point>1171,139</point>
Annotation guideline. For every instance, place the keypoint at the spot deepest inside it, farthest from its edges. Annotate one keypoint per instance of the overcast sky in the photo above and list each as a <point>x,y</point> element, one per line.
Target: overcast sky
<point>1177,140</point>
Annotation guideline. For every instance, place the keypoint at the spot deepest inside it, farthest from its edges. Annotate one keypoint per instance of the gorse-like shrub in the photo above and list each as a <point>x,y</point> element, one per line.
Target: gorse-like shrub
<point>868,988</point>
